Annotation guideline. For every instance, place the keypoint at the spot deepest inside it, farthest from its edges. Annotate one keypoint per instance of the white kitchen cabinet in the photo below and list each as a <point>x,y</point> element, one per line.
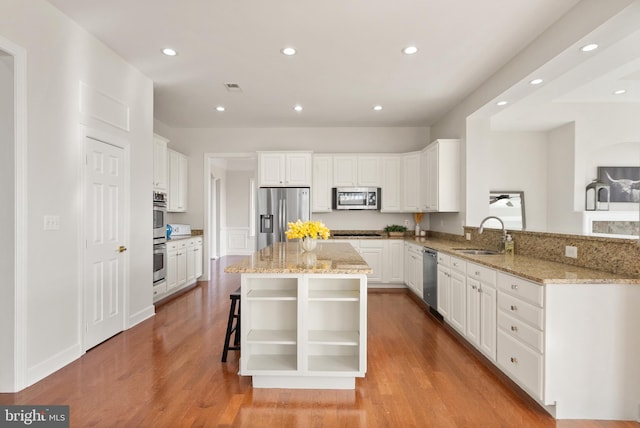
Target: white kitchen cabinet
<point>303,331</point>
<point>184,266</point>
<point>481,309</point>
<point>160,163</point>
<point>391,167</point>
<point>444,285</point>
<point>373,252</point>
<point>284,169</point>
<point>520,339</point>
<point>356,170</point>
<point>410,182</point>
<point>369,171</point>
<point>440,182</point>
<point>178,173</point>
<point>393,261</point>
<point>413,268</point>
<point>322,184</point>
<point>458,297</point>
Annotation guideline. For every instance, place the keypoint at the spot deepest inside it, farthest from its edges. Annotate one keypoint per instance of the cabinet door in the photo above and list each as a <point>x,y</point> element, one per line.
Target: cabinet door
<point>417,274</point>
<point>191,263</point>
<point>473,311</point>
<point>391,187</point>
<point>322,183</point>
<point>488,321</point>
<point>181,271</point>
<point>373,257</point>
<point>458,308</point>
<point>410,182</point>
<point>298,169</point>
<point>394,261</point>
<point>369,171</point>
<point>444,296</point>
<point>178,171</point>
<point>172,269</point>
<point>271,167</point>
<point>345,171</point>
<point>198,259</point>
<point>159,163</point>
<point>431,182</point>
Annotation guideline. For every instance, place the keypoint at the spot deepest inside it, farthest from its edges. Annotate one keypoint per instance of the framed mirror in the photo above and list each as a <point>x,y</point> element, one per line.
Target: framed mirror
<point>508,205</point>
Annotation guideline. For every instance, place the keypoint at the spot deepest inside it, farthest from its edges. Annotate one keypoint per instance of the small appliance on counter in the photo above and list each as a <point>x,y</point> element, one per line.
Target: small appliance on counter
<point>177,231</point>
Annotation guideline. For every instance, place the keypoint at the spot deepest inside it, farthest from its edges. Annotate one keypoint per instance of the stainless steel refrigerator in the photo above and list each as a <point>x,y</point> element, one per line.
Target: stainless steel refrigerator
<point>276,207</point>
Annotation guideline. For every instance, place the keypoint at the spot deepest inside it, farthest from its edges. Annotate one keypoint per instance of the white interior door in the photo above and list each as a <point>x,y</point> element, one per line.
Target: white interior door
<point>105,256</point>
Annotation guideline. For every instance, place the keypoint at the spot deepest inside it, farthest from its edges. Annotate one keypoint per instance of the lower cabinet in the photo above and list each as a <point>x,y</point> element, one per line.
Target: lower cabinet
<point>384,256</point>
<point>521,334</point>
<point>413,268</point>
<point>184,266</point>
<point>481,309</point>
<point>303,331</point>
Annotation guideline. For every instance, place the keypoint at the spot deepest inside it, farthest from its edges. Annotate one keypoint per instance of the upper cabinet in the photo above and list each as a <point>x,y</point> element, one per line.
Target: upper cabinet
<point>284,169</point>
<point>356,170</point>
<point>440,173</point>
<point>410,182</point>
<point>160,163</point>
<point>322,183</point>
<point>391,172</point>
<point>178,172</point>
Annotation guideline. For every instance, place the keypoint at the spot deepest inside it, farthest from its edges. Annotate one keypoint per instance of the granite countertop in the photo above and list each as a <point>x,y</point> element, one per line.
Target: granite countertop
<point>537,270</point>
<point>286,257</point>
<point>181,237</point>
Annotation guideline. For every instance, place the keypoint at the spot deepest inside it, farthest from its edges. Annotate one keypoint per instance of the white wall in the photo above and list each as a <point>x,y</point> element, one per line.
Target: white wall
<point>7,218</point>
<point>519,162</point>
<point>196,142</point>
<point>238,198</point>
<point>60,56</point>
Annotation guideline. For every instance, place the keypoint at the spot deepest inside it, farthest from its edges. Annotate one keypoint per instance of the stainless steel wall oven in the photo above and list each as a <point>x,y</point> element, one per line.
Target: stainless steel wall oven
<point>159,237</point>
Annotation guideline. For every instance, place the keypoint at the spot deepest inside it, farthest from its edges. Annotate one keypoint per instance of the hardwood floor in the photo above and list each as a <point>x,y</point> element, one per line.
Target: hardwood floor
<point>166,372</point>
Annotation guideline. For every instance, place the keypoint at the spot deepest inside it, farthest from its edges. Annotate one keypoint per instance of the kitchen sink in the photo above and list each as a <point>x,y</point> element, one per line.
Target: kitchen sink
<point>476,252</point>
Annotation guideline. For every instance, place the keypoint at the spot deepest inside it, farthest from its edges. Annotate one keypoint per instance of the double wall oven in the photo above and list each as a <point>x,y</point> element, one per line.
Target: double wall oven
<point>159,237</point>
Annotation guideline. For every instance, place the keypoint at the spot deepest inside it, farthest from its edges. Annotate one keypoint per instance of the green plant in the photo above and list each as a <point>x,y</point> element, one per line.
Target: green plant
<point>395,228</point>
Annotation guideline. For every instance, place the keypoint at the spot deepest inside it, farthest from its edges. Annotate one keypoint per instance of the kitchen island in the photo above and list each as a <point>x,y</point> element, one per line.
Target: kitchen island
<point>304,316</point>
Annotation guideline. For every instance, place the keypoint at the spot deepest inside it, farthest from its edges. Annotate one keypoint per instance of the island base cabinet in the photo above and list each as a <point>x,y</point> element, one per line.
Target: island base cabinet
<point>303,331</point>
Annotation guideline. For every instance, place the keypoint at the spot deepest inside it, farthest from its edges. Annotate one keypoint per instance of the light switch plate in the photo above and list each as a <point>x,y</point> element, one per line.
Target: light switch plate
<point>51,222</point>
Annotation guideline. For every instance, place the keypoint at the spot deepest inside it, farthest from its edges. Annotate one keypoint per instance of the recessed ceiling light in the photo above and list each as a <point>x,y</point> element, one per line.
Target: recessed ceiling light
<point>536,81</point>
<point>409,50</point>
<point>590,47</point>
<point>298,108</point>
<point>288,51</point>
<point>502,103</point>
<point>620,92</point>
<point>169,52</point>
<point>220,109</point>
<point>377,108</point>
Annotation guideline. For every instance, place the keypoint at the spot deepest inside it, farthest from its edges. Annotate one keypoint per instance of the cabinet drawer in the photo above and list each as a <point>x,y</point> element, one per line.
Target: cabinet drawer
<point>444,259</point>
<point>521,310</point>
<point>481,273</point>
<point>159,289</point>
<point>523,364</point>
<point>372,243</point>
<point>459,265</point>
<point>521,331</point>
<point>526,290</point>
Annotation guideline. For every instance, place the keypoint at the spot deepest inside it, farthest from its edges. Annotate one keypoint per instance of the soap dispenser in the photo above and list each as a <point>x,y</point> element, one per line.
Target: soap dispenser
<point>508,246</point>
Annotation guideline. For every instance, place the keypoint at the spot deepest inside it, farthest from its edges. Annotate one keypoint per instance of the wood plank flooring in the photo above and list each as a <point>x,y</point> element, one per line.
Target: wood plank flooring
<point>166,372</point>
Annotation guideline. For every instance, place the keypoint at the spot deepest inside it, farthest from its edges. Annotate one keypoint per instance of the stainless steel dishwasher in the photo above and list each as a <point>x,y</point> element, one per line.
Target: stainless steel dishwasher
<point>430,278</point>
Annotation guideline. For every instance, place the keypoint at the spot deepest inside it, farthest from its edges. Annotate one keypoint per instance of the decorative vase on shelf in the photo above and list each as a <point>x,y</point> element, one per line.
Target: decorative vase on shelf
<point>308,244</point>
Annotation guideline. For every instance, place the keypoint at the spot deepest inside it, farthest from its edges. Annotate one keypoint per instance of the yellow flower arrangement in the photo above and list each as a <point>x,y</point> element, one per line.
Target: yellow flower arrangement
<point>308,229</point>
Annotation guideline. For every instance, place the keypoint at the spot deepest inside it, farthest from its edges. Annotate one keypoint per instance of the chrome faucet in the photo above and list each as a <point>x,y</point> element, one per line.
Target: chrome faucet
<point>504,231</point>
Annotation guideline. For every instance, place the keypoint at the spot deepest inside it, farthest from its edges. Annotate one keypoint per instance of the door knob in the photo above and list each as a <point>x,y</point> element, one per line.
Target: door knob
<point>122,249</point>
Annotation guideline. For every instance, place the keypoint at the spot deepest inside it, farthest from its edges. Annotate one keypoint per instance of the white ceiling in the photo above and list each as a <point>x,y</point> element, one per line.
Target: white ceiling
<point>349,55</point>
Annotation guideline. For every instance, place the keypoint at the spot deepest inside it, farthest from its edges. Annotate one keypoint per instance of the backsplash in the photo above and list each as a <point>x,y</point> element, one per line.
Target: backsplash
<point>620,256</point>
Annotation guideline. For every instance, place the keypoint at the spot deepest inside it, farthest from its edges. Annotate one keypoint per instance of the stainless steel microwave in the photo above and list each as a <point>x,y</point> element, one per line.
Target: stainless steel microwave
<point>356,198</point>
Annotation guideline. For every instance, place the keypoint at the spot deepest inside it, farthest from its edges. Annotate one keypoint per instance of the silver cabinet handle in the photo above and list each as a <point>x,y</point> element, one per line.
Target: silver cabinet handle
<point>514,308</point>
<point>514,328</point>
<point>514,360</point>
<point>514,286</point>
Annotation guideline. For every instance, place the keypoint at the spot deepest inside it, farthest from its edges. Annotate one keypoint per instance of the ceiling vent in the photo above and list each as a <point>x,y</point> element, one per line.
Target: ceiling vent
<point>233,87</point>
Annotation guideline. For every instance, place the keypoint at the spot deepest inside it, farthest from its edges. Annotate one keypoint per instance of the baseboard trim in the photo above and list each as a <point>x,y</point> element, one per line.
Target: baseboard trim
<point>140,316</point>
<point>53,364</point>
